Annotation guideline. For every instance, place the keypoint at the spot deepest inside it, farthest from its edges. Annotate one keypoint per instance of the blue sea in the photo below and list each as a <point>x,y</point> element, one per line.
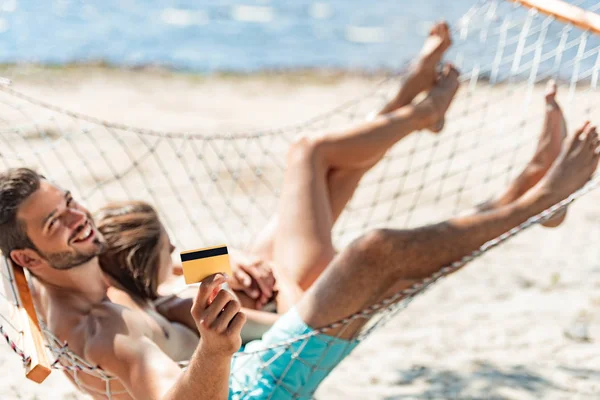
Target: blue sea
<point>232,35</point>
<point>227,35</point>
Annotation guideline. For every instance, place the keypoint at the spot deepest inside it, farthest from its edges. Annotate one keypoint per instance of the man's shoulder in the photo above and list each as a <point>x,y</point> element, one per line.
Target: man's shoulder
<point>86,321</point>
<point>87,324</point>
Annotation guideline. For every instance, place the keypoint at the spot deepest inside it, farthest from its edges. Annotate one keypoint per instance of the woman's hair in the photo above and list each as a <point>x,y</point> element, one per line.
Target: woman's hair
<point>132,231</point>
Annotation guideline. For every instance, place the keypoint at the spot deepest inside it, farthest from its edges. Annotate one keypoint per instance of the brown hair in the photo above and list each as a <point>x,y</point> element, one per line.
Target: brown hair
<point>16,185</point>
<point>132,231</point>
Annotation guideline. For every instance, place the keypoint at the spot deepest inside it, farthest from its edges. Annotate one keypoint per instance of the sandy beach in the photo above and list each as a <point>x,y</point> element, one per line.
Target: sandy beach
<point>522,322</point>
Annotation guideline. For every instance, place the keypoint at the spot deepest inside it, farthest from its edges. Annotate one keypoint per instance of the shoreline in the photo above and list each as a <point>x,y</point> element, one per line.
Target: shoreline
<point>288,75</point>
<point>35,73</point>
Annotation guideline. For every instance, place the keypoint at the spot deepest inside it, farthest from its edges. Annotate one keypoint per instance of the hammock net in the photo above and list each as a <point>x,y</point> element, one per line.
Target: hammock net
<point>230,181</point>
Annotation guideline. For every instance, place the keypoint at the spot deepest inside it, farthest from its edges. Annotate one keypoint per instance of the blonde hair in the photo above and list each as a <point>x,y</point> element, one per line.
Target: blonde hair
<point>132,231</point>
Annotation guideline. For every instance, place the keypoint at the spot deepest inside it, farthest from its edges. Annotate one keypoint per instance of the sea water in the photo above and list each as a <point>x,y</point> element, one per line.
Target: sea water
<point>228,35</point>
<point>208,35</point>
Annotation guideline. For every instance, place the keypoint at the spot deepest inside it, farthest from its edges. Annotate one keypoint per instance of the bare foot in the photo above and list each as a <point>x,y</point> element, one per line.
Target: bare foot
<point>434,48</point>
<point>574,166</point>
<point>435,105</point>
<point>553,134</point>
<point>554,131</point>
<point>422,75</point>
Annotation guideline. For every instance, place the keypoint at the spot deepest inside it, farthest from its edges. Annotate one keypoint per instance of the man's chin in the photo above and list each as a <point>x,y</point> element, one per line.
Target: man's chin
<point>69,261</point>
<point>92,249</point>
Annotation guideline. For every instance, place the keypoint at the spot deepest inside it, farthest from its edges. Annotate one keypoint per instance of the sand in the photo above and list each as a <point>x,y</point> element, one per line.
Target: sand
<point>523,322</point>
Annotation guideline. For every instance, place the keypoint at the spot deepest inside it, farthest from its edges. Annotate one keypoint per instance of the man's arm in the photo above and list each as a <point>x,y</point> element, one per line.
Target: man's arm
<point>177,309</point>
<point>148,373</point>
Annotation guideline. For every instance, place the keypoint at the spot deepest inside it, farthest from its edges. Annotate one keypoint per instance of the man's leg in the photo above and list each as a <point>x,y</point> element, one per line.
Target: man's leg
<point>303,245</point>
<point>362,273</point>
<point>342,183</point>
<point>554,131</point>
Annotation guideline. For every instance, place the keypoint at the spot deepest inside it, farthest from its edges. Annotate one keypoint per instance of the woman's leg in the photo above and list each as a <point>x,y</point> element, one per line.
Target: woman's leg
<point>342,182</point>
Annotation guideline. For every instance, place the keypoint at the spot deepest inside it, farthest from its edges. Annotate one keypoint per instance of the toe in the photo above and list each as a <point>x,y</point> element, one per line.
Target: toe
<point>450,71</point>
<point>589,133</point>
<point>588,144</point>
<point>592,137</point>
<point>550,90</point>
<point>445,30</point>
<point>577,139</point>
<point>595,145</point>
<point>551,87</point>
<point>437,128</point>
<point>446,70</point>
<point>581,132</point>
<point>595,161</point>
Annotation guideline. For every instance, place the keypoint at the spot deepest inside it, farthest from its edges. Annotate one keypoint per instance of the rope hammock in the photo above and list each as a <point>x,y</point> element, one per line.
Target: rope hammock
<point>505,52</point>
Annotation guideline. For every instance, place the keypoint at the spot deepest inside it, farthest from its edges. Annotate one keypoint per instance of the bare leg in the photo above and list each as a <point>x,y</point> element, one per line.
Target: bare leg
<point>554,131</point>
<point>303,245</point>
<point>359,276</point>
<point>342,182</point>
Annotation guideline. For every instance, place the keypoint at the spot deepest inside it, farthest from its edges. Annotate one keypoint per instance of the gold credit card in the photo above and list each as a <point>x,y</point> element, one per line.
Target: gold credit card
<point>202,263</point>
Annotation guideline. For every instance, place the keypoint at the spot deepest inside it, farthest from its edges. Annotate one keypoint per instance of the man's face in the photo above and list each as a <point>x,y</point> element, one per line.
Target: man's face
<point>62,230</point>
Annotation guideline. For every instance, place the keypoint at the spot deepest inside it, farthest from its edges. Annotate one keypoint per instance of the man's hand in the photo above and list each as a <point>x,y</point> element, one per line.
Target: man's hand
<point>253,276</point>
<point>218,317</point>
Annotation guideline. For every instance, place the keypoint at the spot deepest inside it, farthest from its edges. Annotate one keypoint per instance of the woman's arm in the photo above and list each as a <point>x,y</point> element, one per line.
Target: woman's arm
<point>252,276</point>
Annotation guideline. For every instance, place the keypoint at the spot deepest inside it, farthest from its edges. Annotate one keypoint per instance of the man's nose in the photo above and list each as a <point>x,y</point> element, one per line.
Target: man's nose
<point>74,218</point>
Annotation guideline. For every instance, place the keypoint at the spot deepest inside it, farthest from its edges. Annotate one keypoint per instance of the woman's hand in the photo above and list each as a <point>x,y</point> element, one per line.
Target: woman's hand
<point>252,276</point>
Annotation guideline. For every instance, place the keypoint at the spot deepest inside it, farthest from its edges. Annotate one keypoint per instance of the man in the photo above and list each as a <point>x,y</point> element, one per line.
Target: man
<point>44,229</point>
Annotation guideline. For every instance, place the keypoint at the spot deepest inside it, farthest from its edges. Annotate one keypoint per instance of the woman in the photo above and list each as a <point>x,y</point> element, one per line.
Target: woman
<point>138,262</point>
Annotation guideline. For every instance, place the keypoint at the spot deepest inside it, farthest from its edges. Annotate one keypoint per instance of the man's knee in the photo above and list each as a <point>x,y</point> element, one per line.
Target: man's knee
<point>376,244</point>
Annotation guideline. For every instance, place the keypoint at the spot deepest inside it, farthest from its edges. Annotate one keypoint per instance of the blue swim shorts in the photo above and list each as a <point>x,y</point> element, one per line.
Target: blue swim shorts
<point>279,366</point>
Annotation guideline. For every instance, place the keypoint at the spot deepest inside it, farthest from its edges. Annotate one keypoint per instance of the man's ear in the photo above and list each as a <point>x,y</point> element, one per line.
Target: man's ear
<point>27,258</point>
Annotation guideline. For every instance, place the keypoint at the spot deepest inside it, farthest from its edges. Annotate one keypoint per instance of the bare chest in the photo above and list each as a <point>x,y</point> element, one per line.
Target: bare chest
<point>176,340</point>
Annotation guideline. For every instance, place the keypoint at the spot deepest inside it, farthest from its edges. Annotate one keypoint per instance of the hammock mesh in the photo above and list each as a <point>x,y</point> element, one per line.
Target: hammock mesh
<point>230,182</point>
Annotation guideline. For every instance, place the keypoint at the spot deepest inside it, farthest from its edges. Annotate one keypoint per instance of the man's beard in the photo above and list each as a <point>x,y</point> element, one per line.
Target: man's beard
<point>70,259</point>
